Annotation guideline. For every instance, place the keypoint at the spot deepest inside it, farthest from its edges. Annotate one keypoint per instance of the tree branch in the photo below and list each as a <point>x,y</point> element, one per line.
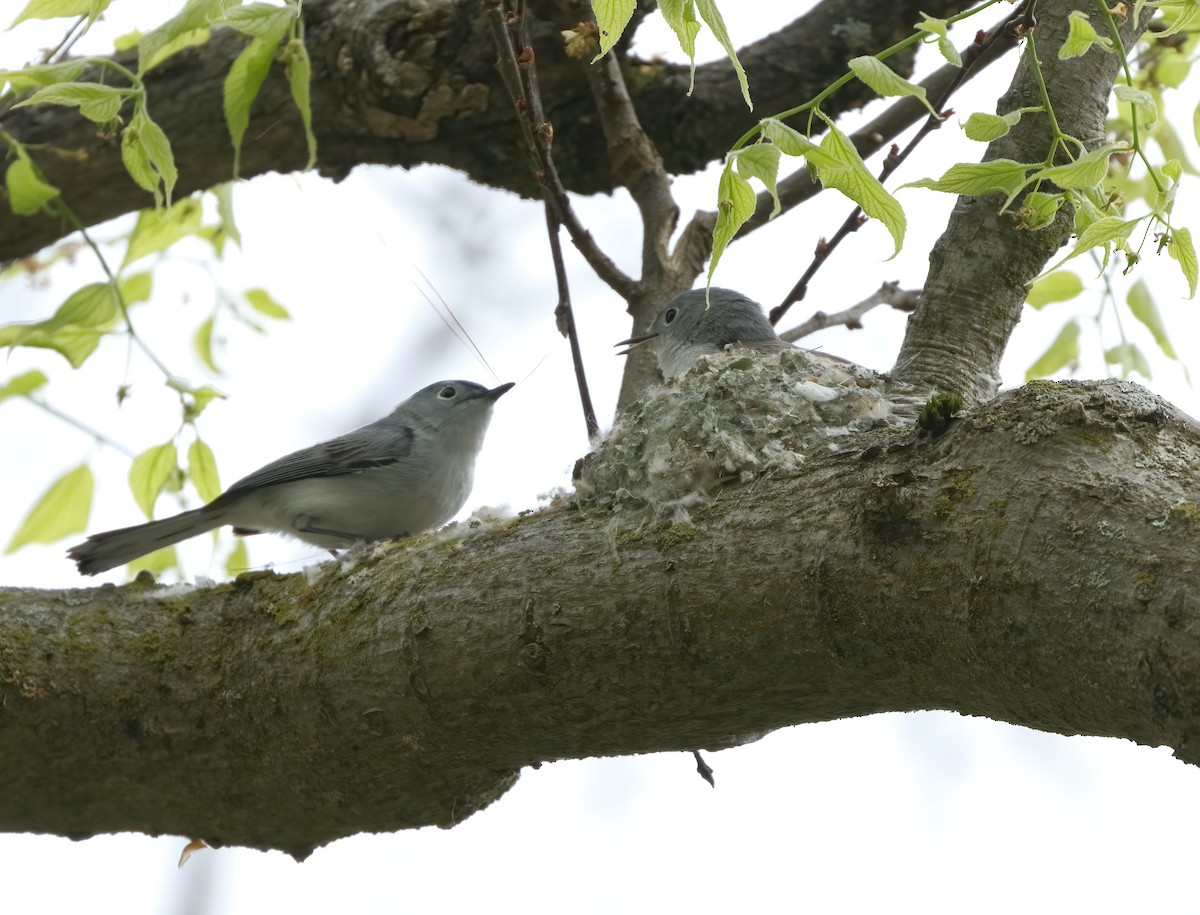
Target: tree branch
<point>952,341</point>
<point>887,294</point>
<point>991,571</point>
<point>405,82</point>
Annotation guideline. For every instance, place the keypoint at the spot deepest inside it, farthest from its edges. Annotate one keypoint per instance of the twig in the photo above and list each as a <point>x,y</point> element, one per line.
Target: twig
<point>564,316</point>
<point>887,294</point>
<point>1009,30</point>
<point>543,166</point>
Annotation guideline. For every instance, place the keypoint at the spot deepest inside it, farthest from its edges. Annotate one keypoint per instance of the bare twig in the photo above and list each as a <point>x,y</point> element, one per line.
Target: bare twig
<point>887,294</point>
<point>509,67</point>
<point>564,315</point>
<point>1008,31</point>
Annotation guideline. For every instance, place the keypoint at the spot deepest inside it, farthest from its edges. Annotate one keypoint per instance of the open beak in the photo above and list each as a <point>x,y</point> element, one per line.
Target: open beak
<point>634,343</point>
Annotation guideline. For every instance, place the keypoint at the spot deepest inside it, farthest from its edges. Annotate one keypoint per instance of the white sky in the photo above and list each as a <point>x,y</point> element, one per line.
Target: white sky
<point>925,812</point>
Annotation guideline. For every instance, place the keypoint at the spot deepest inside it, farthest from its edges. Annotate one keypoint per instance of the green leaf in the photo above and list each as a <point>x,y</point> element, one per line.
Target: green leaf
<point>157,230</point>
<point>793,143</point>
<point>761,161</point>
<point>987,127</point>
<point>1141,100</point>
<point>262,302</point>
<point>75,344</point>
<point>1087,171</point>
<point>1059,286</point>
<point>712,18</point>
<point>1181,249</point>
<point>1062,352</point>
<point>1081,36</point>
<point>299,74</point>
<point>62,509</point>
<point>136,287</point>
<point>1141,303</point>
<point>23,385</point>
<point>1172,69</point>
<point>20,81</point>
<point>680,15</point>
<point>887,82</point>
<point>28,191</point>
<point>76,95</point>
<point>242,83</point>
<point>224,194</point>
<point>1038,209</point>
<point>1181,14</point>
<point>94,305</point>
<point>158,150</point>
<point>202,344</point>
<point>202,468</point>
<point>611,18</point>
<point>973,179</point>
<point>189,27</point>
<point>201,398</point>
<point>735,204</point>
<point>939,29</point>
<point>155,563</point>
<point>1130,358</point>
<point>1102,233</point>
<point>260,20</point>
<point>56,9</point>
<point>149,474</point>
<point>852,179</point>
<point>238,560</point>
<point>138,164</point>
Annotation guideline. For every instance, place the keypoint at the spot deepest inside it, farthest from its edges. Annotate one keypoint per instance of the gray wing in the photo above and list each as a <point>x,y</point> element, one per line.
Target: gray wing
<point>376,445</point>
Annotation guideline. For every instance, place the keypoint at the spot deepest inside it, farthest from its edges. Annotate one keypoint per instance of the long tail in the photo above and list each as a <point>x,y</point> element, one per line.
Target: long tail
<point>105,551</point>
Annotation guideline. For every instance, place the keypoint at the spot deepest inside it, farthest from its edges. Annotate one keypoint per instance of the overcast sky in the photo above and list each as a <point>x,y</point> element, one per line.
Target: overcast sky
<point>927,812</point>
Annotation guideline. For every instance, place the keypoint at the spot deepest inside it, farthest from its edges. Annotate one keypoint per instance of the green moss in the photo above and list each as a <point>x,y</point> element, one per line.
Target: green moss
<point>1185,512</point>
<point>675,535</point>
<point>935,416</point>
<point>997,521</point>
<point>957,491</point>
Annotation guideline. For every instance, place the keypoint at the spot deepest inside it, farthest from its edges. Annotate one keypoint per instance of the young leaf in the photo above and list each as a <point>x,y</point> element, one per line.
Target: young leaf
<point>73,95</point>
<point>712,18</point>
<point>1081,35</point>
<point>202,344</point>
<point>299,74</point>
<point>1038,209</point>
<point>735,204</point>
<point>136,287</point>
<point>761,161</point>
<point>1130,358</point>
<point>887,82</point>
<point>1181,249</point>
<point>260,20</point>
<point>238,560</point>
<point>138,164</point>
<point>793,143</point>
<point>224,194</point>
<point>1063,351</point>
<point>157,230</point>
<point>984,127</point>
<point>1141,100</point>
<point>1059,286</point>
<point>66,71</point>
<point>62,509</point>
<point>149,473</point>
<point>262,302</point>
<point>1003,176</point>
<point>155,563</point>
<point>242,83</point>
<point>939,28</point>
<point>202,468</point>
<point>189,27</point>
<point>28,191</point>
<point>680,15</point>
<point>1085,172</point>
<point>23,385</point>
<point>1141,303</point>
<point>55,9</point>
<point>158,151</point>
<point>75,344</point>
<point>611,18</point>
<point>1102,233</point>
<point>852,178</point>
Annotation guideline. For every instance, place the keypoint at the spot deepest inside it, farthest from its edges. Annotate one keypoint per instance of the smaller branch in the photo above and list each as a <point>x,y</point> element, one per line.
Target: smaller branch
<point>538,138</point>
<point>887,294</point>
<point>98,436</point>
<point>1010,30</point>
<point>564,316</point>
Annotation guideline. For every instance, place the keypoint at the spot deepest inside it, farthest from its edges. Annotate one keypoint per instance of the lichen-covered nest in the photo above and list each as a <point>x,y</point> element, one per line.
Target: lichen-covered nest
<point>732,417</point>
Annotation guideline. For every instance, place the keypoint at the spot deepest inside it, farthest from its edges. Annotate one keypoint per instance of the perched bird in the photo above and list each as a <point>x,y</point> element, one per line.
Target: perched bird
<point>686,329</point>
<point>406,473</point>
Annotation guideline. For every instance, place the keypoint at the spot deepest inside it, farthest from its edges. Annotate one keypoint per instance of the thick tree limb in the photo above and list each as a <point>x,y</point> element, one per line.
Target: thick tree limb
<point>405,82</point>
<point>980,268</point>
<point>1035,564</point>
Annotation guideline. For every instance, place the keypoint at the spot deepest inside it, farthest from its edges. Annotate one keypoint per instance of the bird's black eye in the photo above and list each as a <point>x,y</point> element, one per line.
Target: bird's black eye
<point>670,314</point>
<point>447,393</point>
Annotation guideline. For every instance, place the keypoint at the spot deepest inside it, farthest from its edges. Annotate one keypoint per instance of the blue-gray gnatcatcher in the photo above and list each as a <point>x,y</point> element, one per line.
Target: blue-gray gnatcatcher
<point>685,329</point>
<point>408,472</point>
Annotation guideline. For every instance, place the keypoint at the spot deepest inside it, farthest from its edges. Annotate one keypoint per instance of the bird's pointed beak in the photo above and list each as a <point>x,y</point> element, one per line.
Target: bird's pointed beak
<point>634,343</point>
<point>497,392</point>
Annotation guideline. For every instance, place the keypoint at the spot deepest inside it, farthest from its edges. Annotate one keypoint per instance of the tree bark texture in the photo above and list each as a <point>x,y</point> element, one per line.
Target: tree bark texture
<point>1035,564</point>
<point>410,82</point>
<point>959,331</point>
